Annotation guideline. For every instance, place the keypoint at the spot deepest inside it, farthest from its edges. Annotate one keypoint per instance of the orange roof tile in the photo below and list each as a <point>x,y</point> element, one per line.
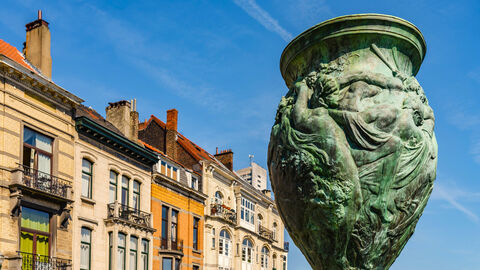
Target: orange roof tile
<point>14,54</point>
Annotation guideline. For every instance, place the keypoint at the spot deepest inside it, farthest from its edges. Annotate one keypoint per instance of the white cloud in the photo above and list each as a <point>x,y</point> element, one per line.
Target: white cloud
<point>261,16</point>
<point>453,195</point>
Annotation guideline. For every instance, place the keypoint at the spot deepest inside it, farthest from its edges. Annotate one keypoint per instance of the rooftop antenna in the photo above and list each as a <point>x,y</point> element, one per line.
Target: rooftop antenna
<point>251,159</point>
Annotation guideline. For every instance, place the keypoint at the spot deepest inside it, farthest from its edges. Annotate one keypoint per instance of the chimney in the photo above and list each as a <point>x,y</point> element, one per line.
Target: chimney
<point>37,45</point>
<point>226,157</point>
<point>124,116</point>
<point>171,134</point>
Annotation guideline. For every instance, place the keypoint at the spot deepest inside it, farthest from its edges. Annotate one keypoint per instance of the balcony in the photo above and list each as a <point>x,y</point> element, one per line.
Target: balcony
<point>39,262</point>
<point>175,247</point>
<point>119,213</point>
<point>265,233</point>
<point>42,183</point>
<point>286,246</point>
<point>226,213</point>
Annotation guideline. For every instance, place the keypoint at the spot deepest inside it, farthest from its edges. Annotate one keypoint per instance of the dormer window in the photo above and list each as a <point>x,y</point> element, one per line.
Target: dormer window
<point>168,170</point>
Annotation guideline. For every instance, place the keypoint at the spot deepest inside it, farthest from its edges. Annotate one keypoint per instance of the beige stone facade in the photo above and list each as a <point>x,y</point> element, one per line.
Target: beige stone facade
<point>243,229</point>
<point>37,136</point>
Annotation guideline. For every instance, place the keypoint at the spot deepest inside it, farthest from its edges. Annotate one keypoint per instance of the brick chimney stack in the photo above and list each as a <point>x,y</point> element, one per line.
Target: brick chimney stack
<point>124,116</point>
<point>171,134</point>
<point>37,45</point>
<point>226,157</point>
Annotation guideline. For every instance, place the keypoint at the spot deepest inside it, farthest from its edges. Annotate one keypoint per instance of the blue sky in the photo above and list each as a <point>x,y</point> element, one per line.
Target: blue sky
<point>217,62</point>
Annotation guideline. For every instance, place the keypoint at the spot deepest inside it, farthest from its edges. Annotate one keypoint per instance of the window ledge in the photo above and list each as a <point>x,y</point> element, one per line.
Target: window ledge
<point>88,200</point>
<point>197,251</point>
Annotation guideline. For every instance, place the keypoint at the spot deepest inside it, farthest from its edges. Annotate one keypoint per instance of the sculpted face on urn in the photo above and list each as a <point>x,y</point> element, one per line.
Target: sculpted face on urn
<point>352,154</point>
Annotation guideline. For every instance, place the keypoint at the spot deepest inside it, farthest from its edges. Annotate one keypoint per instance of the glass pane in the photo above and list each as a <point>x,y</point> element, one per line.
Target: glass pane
<point>124,196</point>
<point>133,260</point>
<point>26,242</point>
<point>125,181</point>
<point>167,264</point>
<point>36,220</point>
<point>86,235</point>
<point>29,136</point>
<point>86,166</point>
<point>28,157</point>
<point>177,264</point>
<point>44,164</point>
<point>144,262</point>
<point>84,256</point>
<point>86,181</point>
<point>113,177</point>
<point>144,246</point>
<point>121,240</point>
<point>43,142</point>
<point>112,193</point>
<point>133,243</point>
<point>42,245</point>
<point>136,201</point>
<point>136,186</point>
<point>120,259</point>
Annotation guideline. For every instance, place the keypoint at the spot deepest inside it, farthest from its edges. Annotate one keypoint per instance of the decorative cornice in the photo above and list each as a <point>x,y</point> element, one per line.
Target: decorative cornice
<point>115,141</point>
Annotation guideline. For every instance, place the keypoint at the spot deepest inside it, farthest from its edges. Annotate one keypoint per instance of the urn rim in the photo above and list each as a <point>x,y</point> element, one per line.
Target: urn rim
<point>360,23</point>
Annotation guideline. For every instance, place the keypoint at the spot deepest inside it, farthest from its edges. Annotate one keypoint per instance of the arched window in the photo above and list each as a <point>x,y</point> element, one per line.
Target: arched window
<point>86,178</point>
<point>225,243</point>
<point>247,250</point>
<point>218,197</point>
<point>274,232</point>
<point>264,258</point>
<point>274,261</point>
<point>125,188</point>
<point>136,195</point>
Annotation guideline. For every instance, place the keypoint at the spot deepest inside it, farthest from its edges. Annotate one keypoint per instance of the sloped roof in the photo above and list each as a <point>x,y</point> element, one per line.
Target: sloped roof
<point>96,117</point>
<point>14,54</point>
<point>193,149</point>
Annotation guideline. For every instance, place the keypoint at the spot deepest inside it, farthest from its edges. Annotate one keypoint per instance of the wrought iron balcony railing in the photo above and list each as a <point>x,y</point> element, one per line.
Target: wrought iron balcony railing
<point>120,212</point>
<point>265,233</point>
<point>286,246</point>
<point>41,181</point>
<point>171,245</point>
<point>224,212</point>
<point>39,262</point>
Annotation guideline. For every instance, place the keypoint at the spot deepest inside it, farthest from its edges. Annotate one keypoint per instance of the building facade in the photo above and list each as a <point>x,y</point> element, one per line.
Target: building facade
<point>255,175</point>
<point>113,224</point>
<point>37,134</point>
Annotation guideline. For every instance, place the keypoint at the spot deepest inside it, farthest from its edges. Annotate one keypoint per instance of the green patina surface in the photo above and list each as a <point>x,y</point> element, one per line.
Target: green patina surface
<point>352,154</point>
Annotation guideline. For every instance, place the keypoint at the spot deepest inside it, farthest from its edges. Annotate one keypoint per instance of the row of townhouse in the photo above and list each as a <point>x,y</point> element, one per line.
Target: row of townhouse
<point>80,191</point>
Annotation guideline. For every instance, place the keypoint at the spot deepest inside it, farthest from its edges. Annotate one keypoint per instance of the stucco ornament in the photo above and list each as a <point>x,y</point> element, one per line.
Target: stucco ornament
<point>352,154</point>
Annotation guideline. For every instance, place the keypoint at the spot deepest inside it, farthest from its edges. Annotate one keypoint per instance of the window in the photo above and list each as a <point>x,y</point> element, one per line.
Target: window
<point>85,248</point>
<point>194,183</point>
<point>121,251</point>
<point>86,178</point>
<point>164,226</point>
<point>195,232</point>
<point>284,262</point>
<point>163,167</point>
<point>274,261</point>
<point>178,262</point>
<point>133,252</point>
<point>260,221</point>
<point>274,232</point>
<point>224,243</point>
<point>218,197</point>
<point>213,237</point>
<point>144,255</point>
<point>264,258</point>
<point>113,186</point>
<point>167,264</point>
<point>175,173</point>
<point>125,183</point>
<point>196,267</point>
<point>136,195</point>
<point>37,153</point>
<point>110,250</point>
<point>173,230</point>
<point>35,232</point>
<point>168,170</point>
<point>247,249</point>
<point>247,211</point>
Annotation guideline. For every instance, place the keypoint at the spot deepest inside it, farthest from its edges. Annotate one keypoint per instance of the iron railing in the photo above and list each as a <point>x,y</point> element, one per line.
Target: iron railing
<point>39,262</point>
<point>174,245</point>
<point>45,182</point>
<point>266,233</point>
<point>130,214</point>
<point>224,212</point>
<point>286,246</point>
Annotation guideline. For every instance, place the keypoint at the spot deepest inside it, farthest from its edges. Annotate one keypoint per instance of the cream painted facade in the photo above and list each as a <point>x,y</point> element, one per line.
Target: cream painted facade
<point>94,213</point>
<point>263,230</point>
<point>37,136</point>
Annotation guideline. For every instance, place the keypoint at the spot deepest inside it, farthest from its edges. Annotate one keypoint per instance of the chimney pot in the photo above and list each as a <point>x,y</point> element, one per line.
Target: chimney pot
<point>39,14</point>
<point>172,118</point>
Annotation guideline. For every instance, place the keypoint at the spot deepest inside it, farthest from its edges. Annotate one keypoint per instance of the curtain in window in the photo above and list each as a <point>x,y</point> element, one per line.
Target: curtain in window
<point>35,220</point>
<point>44,164</point>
